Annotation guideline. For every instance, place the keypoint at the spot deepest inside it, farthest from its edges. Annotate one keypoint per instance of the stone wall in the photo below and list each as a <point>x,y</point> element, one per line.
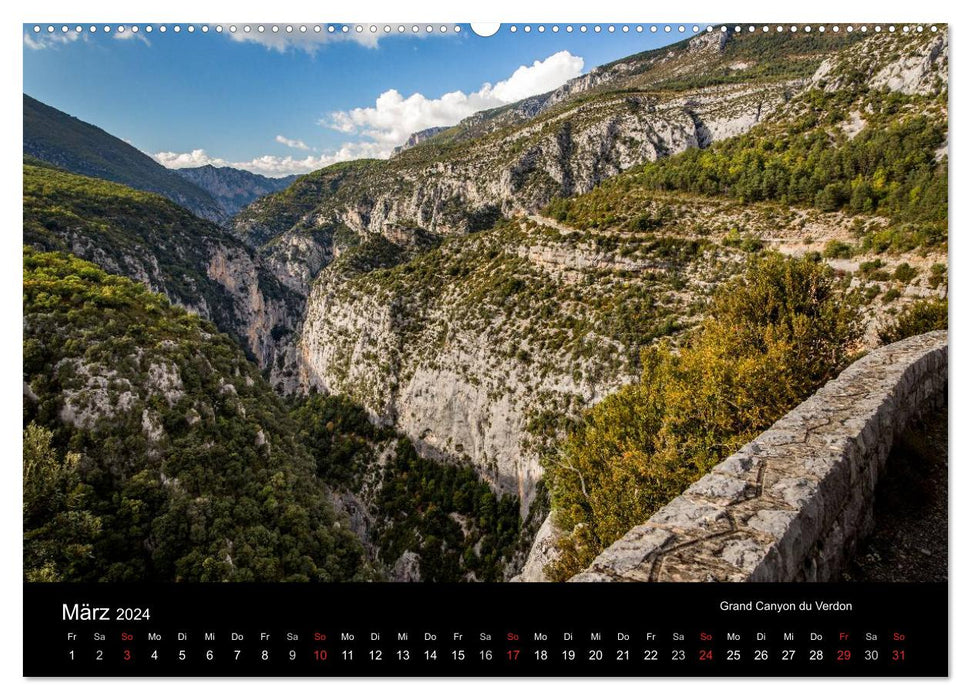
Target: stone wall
<point>792,504</point>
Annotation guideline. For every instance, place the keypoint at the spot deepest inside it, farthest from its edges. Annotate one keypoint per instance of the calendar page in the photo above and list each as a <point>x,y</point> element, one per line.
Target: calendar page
<point>457,349</point>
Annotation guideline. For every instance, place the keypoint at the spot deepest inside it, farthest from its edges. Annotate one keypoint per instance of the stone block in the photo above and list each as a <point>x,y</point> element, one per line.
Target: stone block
<point>685,513</point>
<point>719,489</point>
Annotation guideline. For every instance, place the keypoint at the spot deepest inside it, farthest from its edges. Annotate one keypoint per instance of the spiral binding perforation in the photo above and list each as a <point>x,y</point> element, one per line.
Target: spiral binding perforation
<point>457,29</point>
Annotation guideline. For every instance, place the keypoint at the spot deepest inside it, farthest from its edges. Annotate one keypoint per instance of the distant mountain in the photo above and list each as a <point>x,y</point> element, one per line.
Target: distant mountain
<point>63,140</point>
<point>232,188</point>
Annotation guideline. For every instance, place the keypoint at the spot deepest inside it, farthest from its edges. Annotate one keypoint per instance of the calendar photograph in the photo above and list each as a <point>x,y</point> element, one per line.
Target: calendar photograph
<point>334,303</point>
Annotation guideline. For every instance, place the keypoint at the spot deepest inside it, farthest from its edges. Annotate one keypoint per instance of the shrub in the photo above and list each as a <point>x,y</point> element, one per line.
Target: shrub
<point>869,267</point>
<point>892,295</point>
<point>920,317</point>
<point>774,335</point>
<point>837,249</point>
<point>904,273</point>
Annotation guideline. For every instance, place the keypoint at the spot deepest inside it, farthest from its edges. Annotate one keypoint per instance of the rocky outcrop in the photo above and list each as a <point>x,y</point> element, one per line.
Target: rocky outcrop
<point>407,569</point>
<point>923,71</point>
<point>466,402</point>
<point>511,160</point>
<point>420,137</point>
<point>196,264</point>
<point>566,153</point>
<point>234,290</point>
<point>259,316</point>
<point>543,552</point>
<point>914,64</point>
<point>793,503</point>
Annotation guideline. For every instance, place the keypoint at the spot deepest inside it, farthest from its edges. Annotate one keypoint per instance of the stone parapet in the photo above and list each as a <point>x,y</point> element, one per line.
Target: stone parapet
<point>792,504</point>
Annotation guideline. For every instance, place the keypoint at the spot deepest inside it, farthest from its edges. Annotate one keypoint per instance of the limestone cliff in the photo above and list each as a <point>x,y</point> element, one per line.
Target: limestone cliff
<point>448,347</point>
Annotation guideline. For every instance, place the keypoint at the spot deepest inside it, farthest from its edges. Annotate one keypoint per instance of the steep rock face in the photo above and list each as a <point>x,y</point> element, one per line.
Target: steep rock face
<point>295,259</point>
<point>420,137</point>
<point>562,154</point>
<point>232,188</point>
<point>261,318</point>
<point>448,349</point>
<point>923,71</point>
<point>541,553</point>
<point>469,404</point>
<point>642,70</point>
<point>565,154</point>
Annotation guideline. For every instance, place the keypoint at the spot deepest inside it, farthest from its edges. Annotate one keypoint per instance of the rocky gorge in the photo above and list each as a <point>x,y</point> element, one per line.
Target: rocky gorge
<point>477,293</point>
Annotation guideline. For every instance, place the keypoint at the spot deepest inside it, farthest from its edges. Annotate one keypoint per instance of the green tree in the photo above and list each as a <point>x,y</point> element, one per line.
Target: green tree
<point>58,530</point>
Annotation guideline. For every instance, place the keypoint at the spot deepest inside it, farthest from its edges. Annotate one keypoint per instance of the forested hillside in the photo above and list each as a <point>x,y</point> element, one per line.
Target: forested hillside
<point>67,142</point>
<point>154,450</point>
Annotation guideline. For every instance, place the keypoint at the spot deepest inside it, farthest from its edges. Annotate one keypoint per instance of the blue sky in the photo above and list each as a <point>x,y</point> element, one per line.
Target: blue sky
<point>278,103</point>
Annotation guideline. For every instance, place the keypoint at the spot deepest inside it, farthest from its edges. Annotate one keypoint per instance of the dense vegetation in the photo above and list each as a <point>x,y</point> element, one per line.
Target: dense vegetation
<point>443,513</point>
<point>142,236</point>
<point>613,292</point>
<point>920,317</point>
<point>58,530</point>
<point>155,450</point>
<point>757,57</point>
<point>447,515</point>
<point>889,168</point>
<point>280,211</point>
<point>773,336</point>
<point>58,138</point>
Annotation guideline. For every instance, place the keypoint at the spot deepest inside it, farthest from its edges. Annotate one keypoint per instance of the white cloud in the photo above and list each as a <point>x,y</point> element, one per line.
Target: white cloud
<point>538,78</point>
<point>271,166</point>
<point>394,117</point>
<point>46,40</point>
<point>309,41</point>
<point>292,143</point>
<point>130,35</point>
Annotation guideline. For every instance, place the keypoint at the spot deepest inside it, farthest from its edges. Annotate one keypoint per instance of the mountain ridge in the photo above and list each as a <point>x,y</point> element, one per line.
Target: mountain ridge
<point>233,188</point>
<point>70,143</point>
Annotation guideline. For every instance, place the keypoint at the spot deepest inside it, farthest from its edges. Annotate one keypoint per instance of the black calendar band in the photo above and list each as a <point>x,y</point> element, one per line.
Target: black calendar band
<point>649,630</point>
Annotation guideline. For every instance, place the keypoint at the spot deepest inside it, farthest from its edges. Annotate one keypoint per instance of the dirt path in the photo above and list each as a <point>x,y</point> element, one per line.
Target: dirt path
<point>910,539</point>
